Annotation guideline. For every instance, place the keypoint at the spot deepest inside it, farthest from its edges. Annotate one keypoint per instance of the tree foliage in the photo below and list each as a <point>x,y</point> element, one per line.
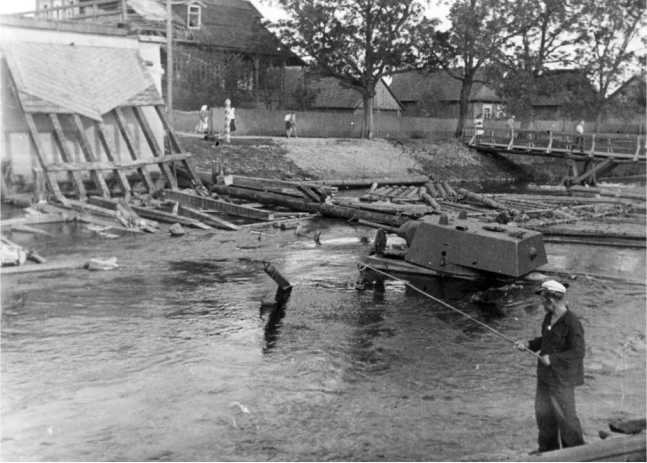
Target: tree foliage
<point>547,42</point>
<point>607,51</point>
<point>356,41</point>
<point>480,30</point>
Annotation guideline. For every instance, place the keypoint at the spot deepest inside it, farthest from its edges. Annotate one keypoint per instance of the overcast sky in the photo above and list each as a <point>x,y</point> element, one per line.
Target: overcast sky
<point>271,13</point>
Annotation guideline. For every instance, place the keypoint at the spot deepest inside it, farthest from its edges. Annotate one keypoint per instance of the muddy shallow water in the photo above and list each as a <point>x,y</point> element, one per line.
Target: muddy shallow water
<point>168,358</point>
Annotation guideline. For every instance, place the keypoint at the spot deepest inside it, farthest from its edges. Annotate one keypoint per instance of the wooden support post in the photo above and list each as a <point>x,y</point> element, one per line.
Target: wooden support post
<point>592,146</point>
<point>154,146</point>
<point>67,156</point>
<point>97,175</point>
<point>174,144</point>
<point>550,141</point>
<point>132,149</point>
<point>121,177</point>
<point>40,153</point>
<point>635,158</point>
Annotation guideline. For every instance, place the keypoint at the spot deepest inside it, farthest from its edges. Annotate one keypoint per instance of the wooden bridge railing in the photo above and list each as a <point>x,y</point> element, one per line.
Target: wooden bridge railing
<point>608,145</point>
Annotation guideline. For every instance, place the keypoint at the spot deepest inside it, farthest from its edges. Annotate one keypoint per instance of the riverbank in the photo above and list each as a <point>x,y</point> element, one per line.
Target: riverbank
<point>319,158</point>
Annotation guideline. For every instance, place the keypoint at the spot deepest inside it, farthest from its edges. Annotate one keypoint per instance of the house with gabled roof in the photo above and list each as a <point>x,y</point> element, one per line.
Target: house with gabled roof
<point>437,94</point>
<point>562,94</point>
<point>306,89</point>
<point>222,49</point>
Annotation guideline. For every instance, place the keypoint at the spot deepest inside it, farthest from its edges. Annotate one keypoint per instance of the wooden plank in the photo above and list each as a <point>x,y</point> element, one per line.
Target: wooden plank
<point>99,165</point>
<point>623,448</point>
<point>154,146</point>
<point>262,184</point>
<point>267,198</point>
<point>130,144</point>
<point>66,155</point>
<point>367,182</point>
<point>310,193</point>
<point>90,156</point>
<point>200,202</point>
<point>36,219</point>
<point>47,267</point>
<point>206,218</point>
<point>121,177</point>
<point>150,213</point>
<point>175,145</point>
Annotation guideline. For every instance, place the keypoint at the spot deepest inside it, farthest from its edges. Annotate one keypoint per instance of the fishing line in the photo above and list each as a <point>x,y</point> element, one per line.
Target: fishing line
<point>448,306</point>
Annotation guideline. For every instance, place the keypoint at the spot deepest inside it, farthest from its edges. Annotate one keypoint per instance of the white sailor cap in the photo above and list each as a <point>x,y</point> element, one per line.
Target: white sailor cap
<point>552,286</point>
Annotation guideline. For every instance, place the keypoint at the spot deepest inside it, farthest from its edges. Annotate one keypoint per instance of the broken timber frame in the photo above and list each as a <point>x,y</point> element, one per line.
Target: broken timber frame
<point>91,163</point>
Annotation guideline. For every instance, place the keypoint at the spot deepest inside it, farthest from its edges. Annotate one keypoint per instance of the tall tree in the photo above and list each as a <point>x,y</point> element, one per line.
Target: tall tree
<point>546,43</point>
<point>608,52</point>
<point>479,31</point>
<point>357,41</point>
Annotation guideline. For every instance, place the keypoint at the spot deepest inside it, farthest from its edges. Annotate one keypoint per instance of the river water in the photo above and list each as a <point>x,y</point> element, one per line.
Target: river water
<point>169,358</point>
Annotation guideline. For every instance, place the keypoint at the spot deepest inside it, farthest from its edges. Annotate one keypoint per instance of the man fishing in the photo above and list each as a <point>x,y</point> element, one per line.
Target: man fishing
<point>559,369</point>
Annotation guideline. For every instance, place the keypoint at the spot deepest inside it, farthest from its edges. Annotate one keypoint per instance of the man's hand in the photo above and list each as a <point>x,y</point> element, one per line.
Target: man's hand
<point>521,345</point>
<point>545,359</point>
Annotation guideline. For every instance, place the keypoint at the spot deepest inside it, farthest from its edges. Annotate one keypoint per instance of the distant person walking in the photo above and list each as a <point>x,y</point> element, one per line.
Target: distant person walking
<point>230,120</point>
<point>579,138</point>
<point>290,125</point>
<point>478,127</point>
<point>559,369</point>
<point>510,123</point>
<point>203,123</point>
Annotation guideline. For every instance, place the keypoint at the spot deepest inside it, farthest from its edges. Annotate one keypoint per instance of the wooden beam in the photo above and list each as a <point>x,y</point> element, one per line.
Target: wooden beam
<point>154,146</point>
<point>175,144</point>
<point>367,182</point>
<point>150,213</point>
<point>99,165</point>
<point>200,202</point>
<point>206,218</point>
<point>40,153</point>
<point>66,155</point>
<point>631,448</point>
<point>267,198</point>
<point>130,144</point>
<point>90,156</point>
<point>121,177</point>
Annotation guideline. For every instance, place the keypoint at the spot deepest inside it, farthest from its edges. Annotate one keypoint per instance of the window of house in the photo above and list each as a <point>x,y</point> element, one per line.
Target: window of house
<point>487,111</point>
<point>194,16</point>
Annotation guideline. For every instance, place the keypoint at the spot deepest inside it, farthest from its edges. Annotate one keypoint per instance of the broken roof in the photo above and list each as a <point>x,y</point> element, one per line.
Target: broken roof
<point>78,79</point>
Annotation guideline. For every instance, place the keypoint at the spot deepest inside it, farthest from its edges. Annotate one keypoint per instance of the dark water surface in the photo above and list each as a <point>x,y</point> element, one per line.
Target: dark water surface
<point>167,358</point>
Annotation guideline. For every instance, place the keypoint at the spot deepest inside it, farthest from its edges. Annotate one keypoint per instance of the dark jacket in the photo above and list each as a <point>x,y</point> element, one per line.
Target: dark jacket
<point>564,343</point>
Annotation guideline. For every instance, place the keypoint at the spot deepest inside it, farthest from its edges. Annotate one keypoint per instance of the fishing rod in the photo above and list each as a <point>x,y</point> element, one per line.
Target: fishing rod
<point>449,306</point>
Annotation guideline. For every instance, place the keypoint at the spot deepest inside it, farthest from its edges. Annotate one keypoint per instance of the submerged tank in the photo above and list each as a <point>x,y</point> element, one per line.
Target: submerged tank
<point>440,245</point>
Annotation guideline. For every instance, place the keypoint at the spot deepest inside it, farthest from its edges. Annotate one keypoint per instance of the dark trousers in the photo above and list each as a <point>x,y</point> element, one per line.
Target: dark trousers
<point>556,417</point>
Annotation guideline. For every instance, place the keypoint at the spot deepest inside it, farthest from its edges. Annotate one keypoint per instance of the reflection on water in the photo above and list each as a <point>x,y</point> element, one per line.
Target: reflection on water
<point>168,359</point>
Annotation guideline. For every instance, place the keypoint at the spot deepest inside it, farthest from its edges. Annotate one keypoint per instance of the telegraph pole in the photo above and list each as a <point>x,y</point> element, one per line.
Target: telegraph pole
<point>169,61</point>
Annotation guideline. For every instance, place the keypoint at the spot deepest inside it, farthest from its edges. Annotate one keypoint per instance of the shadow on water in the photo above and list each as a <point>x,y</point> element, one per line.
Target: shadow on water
<point>276,312</point>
